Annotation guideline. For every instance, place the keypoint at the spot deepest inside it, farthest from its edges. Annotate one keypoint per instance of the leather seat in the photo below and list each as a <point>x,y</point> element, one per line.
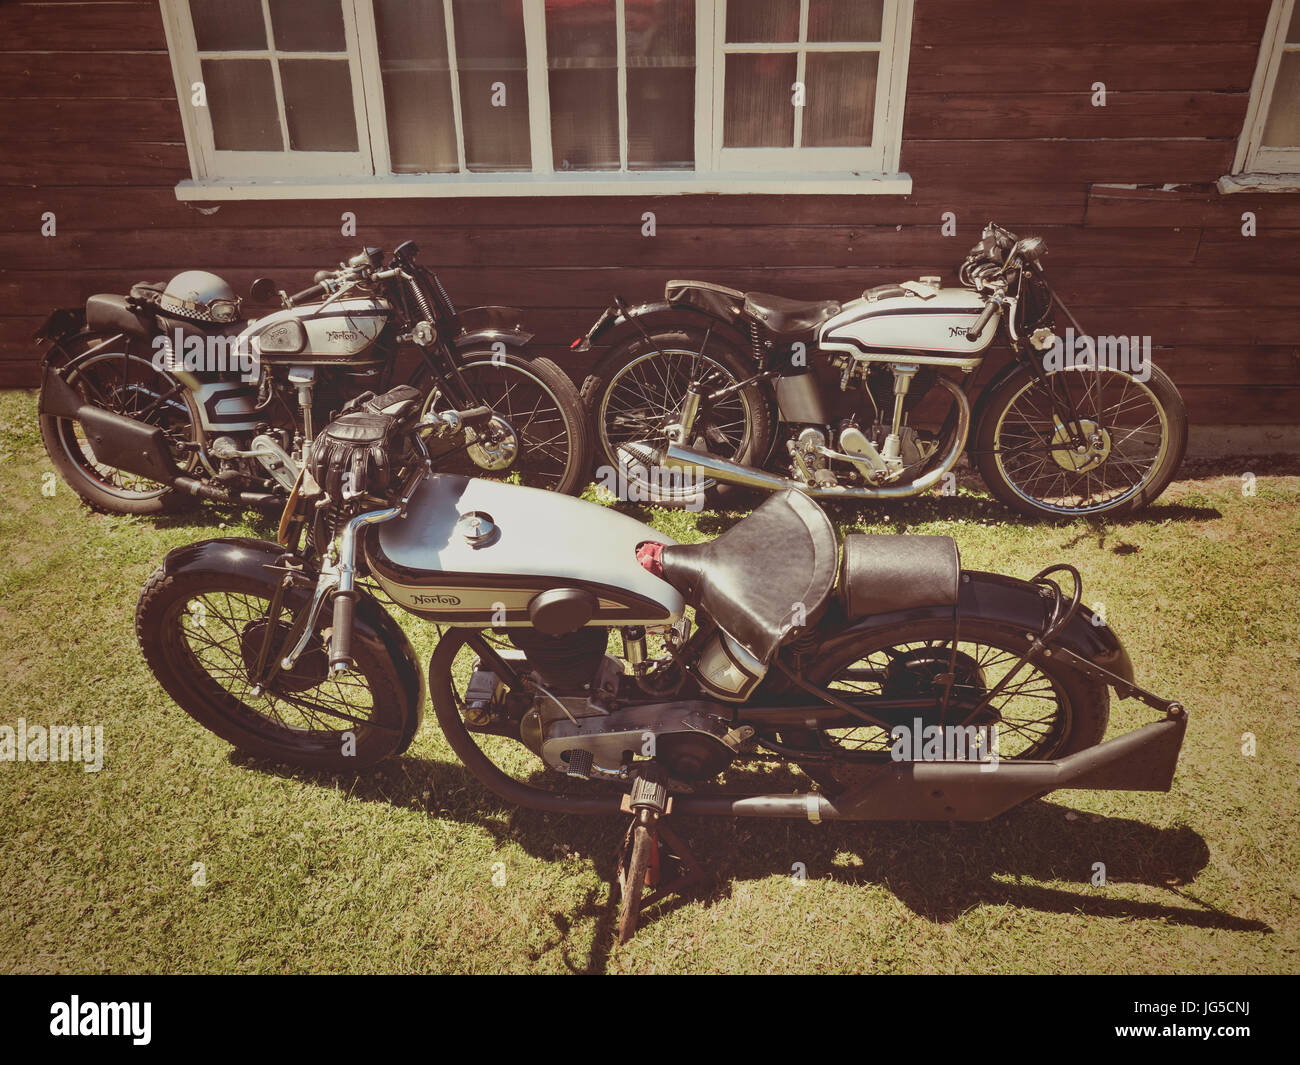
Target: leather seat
<point>766,576</point>
<point>788,319</point>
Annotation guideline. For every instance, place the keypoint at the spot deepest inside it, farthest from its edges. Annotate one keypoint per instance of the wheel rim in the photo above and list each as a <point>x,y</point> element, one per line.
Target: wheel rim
<point>643,398</point>
<point>309,709</point>
<point>539,435</point>
<point>128,385</point>
<point>1128,437</point>
<point>1032,715</point>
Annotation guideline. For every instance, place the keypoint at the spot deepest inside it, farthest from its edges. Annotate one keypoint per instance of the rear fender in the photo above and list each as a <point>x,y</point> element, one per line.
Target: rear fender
<point>1006,601</point>
<point>614,328</point>
<point>373,627</point>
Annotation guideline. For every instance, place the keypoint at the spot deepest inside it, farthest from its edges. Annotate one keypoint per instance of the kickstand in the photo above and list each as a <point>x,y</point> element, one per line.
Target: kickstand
<point>653,856</point>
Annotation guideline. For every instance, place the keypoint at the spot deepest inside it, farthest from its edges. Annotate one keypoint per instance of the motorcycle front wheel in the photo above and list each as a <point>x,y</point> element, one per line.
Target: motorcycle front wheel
<point>1135,436</point>
<point>201,634</point>
<point>545,441</point>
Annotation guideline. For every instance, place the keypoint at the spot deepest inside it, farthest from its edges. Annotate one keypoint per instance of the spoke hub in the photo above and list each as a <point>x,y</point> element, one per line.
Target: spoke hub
<point>1068,455</point>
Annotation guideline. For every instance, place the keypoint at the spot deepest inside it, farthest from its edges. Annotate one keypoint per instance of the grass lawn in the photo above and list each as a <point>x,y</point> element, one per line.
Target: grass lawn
<point>183,856</point>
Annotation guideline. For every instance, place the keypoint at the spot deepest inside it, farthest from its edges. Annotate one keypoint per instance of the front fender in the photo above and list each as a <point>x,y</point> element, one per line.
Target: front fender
<point>373,626</point>
<point>1006,601</point>
<point>481,325</point>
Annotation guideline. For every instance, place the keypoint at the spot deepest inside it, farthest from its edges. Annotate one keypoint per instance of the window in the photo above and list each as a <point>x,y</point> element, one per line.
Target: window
<point>508,97</point>
<point>1270,143</point>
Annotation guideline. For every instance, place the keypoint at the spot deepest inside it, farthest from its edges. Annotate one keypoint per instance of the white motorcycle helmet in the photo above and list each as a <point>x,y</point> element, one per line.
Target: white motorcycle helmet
<point>200,296</point>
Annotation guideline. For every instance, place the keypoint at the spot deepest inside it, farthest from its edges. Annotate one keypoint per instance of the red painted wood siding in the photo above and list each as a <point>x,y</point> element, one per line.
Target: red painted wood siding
<point>998,125</point>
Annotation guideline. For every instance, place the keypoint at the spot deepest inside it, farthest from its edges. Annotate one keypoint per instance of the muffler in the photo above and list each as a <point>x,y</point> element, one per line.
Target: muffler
<point>116,440</point>
<point>135,447</point>
<point>1141,760</point>
<point>702,464</point>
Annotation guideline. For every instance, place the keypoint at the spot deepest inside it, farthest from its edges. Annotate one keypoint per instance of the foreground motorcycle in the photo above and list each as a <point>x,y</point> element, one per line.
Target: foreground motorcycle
<point>714,388</point>
<point>873,667</point>
<point>166,393</point>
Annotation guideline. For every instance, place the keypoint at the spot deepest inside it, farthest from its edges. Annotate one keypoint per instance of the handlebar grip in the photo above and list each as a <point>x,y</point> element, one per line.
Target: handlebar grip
<point>476,417</point>
<point>341,638</point>
<point>308,294</point>
<point>974,332</point>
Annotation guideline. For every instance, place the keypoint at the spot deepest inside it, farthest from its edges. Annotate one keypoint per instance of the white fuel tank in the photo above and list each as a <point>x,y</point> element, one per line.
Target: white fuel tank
<point>930,330</point>
<point>518,543</point>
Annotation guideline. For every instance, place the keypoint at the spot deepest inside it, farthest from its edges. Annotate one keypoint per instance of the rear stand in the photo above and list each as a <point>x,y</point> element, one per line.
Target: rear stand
<point>650,849</point>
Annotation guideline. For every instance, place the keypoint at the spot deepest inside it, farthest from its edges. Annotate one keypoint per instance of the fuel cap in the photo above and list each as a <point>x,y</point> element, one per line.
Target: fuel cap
<point>478,529</point>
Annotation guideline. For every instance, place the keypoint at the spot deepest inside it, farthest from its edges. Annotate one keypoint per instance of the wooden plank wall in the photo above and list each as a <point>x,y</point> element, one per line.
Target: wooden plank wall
<point>999,124</point>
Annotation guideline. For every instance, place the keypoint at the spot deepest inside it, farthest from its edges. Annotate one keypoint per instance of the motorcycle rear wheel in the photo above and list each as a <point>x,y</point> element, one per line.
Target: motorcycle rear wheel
<point>127,383</point>
<point>1047,711</point>
<point>638,389</point>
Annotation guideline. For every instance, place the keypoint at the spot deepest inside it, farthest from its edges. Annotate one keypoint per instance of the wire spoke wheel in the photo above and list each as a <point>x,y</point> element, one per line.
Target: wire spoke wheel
<point>223,631</point>
<point>1125,432</point>
<point>1043,711</point>
<point>540,419</point>
<point>203,635</point>
<point>129,385</point>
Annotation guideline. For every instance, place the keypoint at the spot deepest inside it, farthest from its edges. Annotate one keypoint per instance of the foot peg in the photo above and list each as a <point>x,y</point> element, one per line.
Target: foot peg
<point>579,763</point>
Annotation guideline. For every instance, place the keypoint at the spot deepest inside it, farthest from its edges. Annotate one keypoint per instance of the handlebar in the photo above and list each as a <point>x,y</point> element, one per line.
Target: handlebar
<point>308,294</point>
<point>981,323</point>
<point>341,634</point>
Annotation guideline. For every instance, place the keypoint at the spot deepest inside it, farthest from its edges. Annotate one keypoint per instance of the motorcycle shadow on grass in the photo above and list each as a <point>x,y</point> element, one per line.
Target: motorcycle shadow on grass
<point>939,871</point>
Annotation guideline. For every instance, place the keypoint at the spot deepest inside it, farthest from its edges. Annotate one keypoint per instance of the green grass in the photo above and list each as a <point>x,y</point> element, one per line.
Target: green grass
<point>393,871</point>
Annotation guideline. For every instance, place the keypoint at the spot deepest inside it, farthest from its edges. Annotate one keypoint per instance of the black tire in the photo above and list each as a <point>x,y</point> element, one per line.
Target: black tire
<point>741,430</point>
<point>125,381</point>
<point>542,407</point>
<point>1137,463</point>
<point>906,659</point>
<point>274,731</point>
<point>632,882</point>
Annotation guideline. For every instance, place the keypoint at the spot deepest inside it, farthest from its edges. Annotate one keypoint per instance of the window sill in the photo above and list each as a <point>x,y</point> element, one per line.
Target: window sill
<point>404,186</point>
<point>1230,183</point>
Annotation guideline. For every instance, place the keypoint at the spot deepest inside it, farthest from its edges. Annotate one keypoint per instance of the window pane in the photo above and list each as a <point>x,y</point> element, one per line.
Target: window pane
<point>661,84</point>
<point>308,26</point>
<point>762,20</point>
<point>318,105</point>
<point>1282,130</point>
<point>228,25</point>
<point>241,101</point>
<point>582,56</point>
<point>845,20</point>
<point>412,38</point>
<point>841,99</point>
<point>758,110</point>
<point>493,84</point>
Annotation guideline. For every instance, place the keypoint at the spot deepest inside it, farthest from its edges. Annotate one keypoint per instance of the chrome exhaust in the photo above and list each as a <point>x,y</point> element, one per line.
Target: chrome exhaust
<point>705,465</point>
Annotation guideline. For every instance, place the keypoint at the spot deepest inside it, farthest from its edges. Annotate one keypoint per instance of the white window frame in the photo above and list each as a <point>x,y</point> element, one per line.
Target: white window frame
<point>1256,167</point>
<point>367,173</point>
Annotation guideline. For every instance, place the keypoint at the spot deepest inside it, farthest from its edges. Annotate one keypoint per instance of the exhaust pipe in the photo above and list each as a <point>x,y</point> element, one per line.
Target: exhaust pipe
<point>703,464</point>
<point>135,447</point>
<point>1141,760</point>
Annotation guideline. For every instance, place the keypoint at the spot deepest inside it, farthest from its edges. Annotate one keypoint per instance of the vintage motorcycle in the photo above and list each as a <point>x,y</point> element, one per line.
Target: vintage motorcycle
<point>166,393</point>
<point>713,388</point>
<point>864,673</point>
